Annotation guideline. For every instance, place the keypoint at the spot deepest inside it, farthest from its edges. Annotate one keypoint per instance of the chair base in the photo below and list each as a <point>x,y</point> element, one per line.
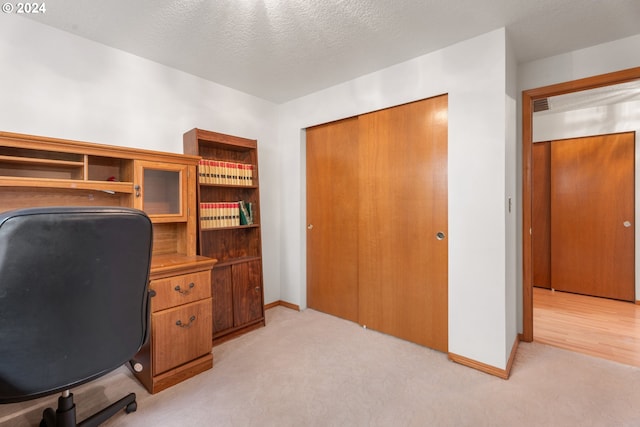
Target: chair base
<point>65,415</point>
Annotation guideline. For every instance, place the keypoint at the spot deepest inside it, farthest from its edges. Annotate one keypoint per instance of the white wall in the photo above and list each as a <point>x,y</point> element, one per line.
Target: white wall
<point>592,61</point>
<point>512,209</point>
<point>600,59</point>
<point>55,84</point>
<point>473,73</point>
<point>623,117</point>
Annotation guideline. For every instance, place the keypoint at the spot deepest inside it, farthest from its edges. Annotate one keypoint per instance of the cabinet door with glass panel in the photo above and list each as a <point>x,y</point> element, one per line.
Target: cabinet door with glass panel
<point>160,190</point>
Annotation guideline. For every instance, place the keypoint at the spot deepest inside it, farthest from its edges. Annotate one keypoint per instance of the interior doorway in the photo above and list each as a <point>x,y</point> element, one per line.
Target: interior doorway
<point>529,98</point>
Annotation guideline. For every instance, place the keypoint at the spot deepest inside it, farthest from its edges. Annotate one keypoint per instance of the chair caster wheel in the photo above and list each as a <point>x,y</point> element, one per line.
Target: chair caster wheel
<point>131,407</point>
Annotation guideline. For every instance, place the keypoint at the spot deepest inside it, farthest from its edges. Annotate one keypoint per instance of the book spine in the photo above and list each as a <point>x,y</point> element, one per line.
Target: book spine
<point>235,169</point>
<point>228,221</point>
<point>241,174</point>
<point>201,171</point>
<point>219,214</point>
<point>245,213</point>
<point>229,173</point>
<point>215,172</point>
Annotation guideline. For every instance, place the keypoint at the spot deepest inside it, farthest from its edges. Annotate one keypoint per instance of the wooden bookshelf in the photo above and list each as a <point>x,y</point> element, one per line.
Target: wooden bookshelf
<point>237,283</point>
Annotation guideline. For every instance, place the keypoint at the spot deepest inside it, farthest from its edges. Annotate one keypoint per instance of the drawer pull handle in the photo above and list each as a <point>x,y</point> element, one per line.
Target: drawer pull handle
<point>191,320</point>
<point>186,291</point>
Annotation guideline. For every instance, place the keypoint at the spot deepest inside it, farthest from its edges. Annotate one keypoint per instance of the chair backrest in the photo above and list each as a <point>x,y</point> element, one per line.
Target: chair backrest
<point>73,296</point>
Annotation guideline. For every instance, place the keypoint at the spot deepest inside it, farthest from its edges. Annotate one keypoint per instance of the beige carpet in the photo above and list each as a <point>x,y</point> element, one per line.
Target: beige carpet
<point>311,369</point>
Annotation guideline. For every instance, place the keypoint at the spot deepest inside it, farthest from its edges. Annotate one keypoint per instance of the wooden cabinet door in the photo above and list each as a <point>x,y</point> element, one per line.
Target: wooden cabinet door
<point>180,334</point>
<point>247,292</point>
<point>592,215</point>
<point>332,211</point>
<point>237,295</point>
<point>403,196</point>
<point>222,293</point>
<point>161,190</point>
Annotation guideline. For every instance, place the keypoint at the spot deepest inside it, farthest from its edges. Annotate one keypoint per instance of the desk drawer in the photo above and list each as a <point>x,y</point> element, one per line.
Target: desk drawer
<point>182,289</point>
<point>181,334</point>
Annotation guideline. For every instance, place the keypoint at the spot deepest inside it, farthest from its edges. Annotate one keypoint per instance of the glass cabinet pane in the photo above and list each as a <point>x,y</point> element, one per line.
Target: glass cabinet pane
<point>161,195</point>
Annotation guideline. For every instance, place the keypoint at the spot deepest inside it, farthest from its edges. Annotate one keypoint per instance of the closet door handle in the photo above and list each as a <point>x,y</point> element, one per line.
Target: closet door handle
<point>440,235</point>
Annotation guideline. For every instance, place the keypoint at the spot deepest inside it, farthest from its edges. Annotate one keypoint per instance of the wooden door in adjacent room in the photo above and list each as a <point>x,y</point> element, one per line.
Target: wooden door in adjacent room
<point>541,214</point>
<point>592,215</point>
<point>403,260</point>
<point>332,230</point>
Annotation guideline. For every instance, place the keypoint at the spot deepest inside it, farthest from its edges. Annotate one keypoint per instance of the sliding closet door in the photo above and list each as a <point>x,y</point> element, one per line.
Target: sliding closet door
<point>332,231</point>
<point>593,215</point>
<point>402,205</point>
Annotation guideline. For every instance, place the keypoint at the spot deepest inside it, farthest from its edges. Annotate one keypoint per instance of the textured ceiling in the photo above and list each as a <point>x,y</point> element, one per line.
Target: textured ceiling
<point>282,49</point>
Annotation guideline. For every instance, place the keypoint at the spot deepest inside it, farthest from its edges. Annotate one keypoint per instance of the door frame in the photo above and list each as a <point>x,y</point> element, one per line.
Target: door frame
<point>528,97</point>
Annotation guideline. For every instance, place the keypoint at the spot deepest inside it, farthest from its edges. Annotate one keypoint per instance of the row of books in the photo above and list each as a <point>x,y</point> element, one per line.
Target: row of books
<point>225,214</point>
<point>227,173</point>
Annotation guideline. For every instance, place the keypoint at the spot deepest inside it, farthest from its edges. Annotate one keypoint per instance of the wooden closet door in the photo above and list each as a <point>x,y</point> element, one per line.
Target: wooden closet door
<point>541,215</point>
<point>592,215</point>
<point>402,205</point>
<point>332,215</point>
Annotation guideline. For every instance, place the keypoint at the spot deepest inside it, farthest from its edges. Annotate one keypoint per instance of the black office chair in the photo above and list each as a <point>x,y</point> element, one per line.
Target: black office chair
<point>74,302</point>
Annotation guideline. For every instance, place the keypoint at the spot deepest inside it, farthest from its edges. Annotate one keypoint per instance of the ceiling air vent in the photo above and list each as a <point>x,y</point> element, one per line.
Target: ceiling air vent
<point>540,105</point>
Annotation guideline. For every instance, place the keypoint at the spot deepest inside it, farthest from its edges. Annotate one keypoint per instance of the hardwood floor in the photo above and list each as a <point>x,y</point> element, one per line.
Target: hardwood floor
<point>596,326</point>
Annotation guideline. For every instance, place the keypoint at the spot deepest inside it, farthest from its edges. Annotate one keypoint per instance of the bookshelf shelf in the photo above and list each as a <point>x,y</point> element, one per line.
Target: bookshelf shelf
<point>235,227</point>
<point>254,187</point>
<point>42,162</point>
<point>237,288</point>
<point>108,187</point>
<point>238,261</point>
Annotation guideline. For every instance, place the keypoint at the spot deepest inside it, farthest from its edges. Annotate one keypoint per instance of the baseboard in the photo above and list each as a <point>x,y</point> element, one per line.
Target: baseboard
<point>512,356</point>
<point>488,369</point>
<point>283,304</point>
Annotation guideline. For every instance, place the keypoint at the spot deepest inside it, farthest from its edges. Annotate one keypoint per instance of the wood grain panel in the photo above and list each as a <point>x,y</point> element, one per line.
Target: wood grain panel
<point>541,218</point>
<point>222,288</point>
<point>247,292</point>
<point>173,344</point>
<point>179,290</point>
<point>332,206</point>
<point>230,244</point>
<point>402,205</point>
<point>592,195</point>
